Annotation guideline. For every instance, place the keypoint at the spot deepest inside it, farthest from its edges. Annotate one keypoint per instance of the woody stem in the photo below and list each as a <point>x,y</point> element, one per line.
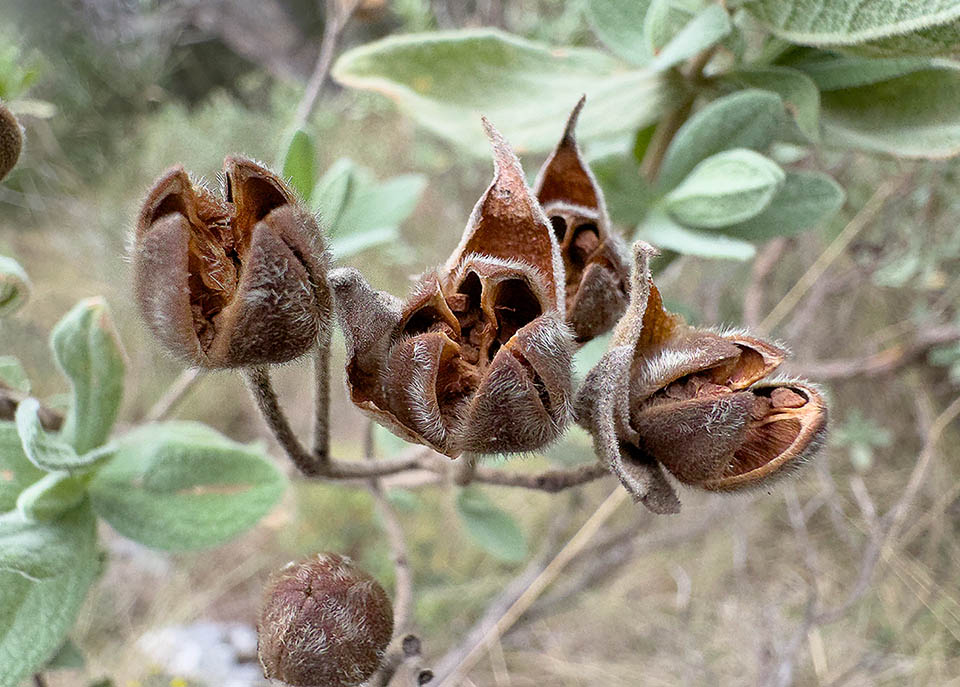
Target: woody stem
<point>674,118</point>
<point>321,400</point>
<point>258,382</point>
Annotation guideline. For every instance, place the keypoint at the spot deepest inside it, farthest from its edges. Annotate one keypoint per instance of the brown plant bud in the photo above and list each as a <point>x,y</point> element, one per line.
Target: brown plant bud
<point>11,141</point>
<point>230,281</point>
<point>478,357</point>
<point>324,623</point>
<point>594,257</point>
<point>692,401</point>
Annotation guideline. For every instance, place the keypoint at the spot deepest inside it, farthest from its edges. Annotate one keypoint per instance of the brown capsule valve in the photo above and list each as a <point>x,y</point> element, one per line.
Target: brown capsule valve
<point>594,257</point>
<point>692,401</point>
<point>324,623</point>
<point>231,280</point>
<point>478,357</point>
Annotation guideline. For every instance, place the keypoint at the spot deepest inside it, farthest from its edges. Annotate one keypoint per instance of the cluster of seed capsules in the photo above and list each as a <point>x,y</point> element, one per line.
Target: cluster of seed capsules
<point>478,357</point>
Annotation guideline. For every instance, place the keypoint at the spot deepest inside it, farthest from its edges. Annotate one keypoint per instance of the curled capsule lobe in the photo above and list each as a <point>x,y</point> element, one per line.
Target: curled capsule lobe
<point>694,402</point>
<point>478,357</point>
<point>231,280</point>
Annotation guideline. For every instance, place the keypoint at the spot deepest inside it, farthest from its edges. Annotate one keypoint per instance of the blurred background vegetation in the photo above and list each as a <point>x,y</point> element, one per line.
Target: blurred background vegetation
<point>111,92</point>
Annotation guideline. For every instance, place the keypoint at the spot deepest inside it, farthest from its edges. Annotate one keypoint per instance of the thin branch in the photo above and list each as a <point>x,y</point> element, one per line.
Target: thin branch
<point>674,118</point>
<point>465,469</point>
<point>418,459</point>
<point>887,361</point>
<point>403,591</point>
<point>860,221</point>
<point>336,20</point>
<point>39,680</point>
<point>608,555</point>
<point>511,592</point>
<point>403,665</point>
<point>895,516</point>
<point>321,400</point>
<point>258,382</point>
<point>662,136</point>
<point>174,395</point>
<point>755,293</point>
<point>550,481</point>
<point>532,592</point>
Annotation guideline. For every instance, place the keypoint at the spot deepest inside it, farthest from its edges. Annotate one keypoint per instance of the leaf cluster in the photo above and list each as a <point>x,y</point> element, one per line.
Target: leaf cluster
<point>172,486</point>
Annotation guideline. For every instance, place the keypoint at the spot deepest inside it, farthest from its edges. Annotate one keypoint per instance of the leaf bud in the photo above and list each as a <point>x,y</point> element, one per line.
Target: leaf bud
<point>230,281</point>
<point>11,141</point>
<point>324,623</point>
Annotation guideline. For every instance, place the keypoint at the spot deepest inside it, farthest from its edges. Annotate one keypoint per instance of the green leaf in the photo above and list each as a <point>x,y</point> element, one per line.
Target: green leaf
<point>933,41</point>
<point>446,80</point>
<point>574,448</point>
<point>661,231</point>
<point>35,616</point>
<point>347,246</point>
<point>51,496</point>
<point>797,90</point>
<point>403,499</point>
<point>748,119</point>
<point>68,657</point>
<point>298,153</point>
<point>913,116</point>
<point>14,286</point>
<point>619,24</point>
<point>848,22</point>
<point>12,374</point>
<point>706,29</point>
<point>181,485</point>
<point>490,528</point>
<point>664,20</point>
<point>46,451</point>
<point>379,206</point>
<point>805,200</point>
<point>588,355</point>
<point>16,470</point>
<point>361,213</point>
<point>724,189</point>
<point>87,350</point>
<point>332,192</point>
<point>833,72</point>
<point>628,196</point>
<point>39,550</point>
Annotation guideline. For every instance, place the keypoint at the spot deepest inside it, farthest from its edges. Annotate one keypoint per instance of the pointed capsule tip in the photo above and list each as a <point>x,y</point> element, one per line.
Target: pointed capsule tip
<point>504,159</point>
<point>642,252</point>
<point>568,132</point>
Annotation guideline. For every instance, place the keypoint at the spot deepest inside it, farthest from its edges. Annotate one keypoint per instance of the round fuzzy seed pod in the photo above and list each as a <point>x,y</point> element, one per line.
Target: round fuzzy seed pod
<point>324,623</point>
<point>11,140</point>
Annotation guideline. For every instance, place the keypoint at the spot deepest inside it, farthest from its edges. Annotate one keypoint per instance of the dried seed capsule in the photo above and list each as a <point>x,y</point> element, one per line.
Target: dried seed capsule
<point>11,141</point>
<point>232,281</point>
<point>691,400</point>
<point>478,357</point>
<point>324,623</point>
<point>594,257</point>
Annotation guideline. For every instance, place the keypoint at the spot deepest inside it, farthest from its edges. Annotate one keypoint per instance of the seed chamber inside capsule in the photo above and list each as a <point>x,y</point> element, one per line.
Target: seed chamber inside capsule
<point>776,421</point>
<point>487,315</point>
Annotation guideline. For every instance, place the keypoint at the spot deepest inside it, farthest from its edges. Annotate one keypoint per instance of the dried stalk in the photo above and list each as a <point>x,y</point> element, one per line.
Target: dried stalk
<point>419,459</point>
<point>174,395</point>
